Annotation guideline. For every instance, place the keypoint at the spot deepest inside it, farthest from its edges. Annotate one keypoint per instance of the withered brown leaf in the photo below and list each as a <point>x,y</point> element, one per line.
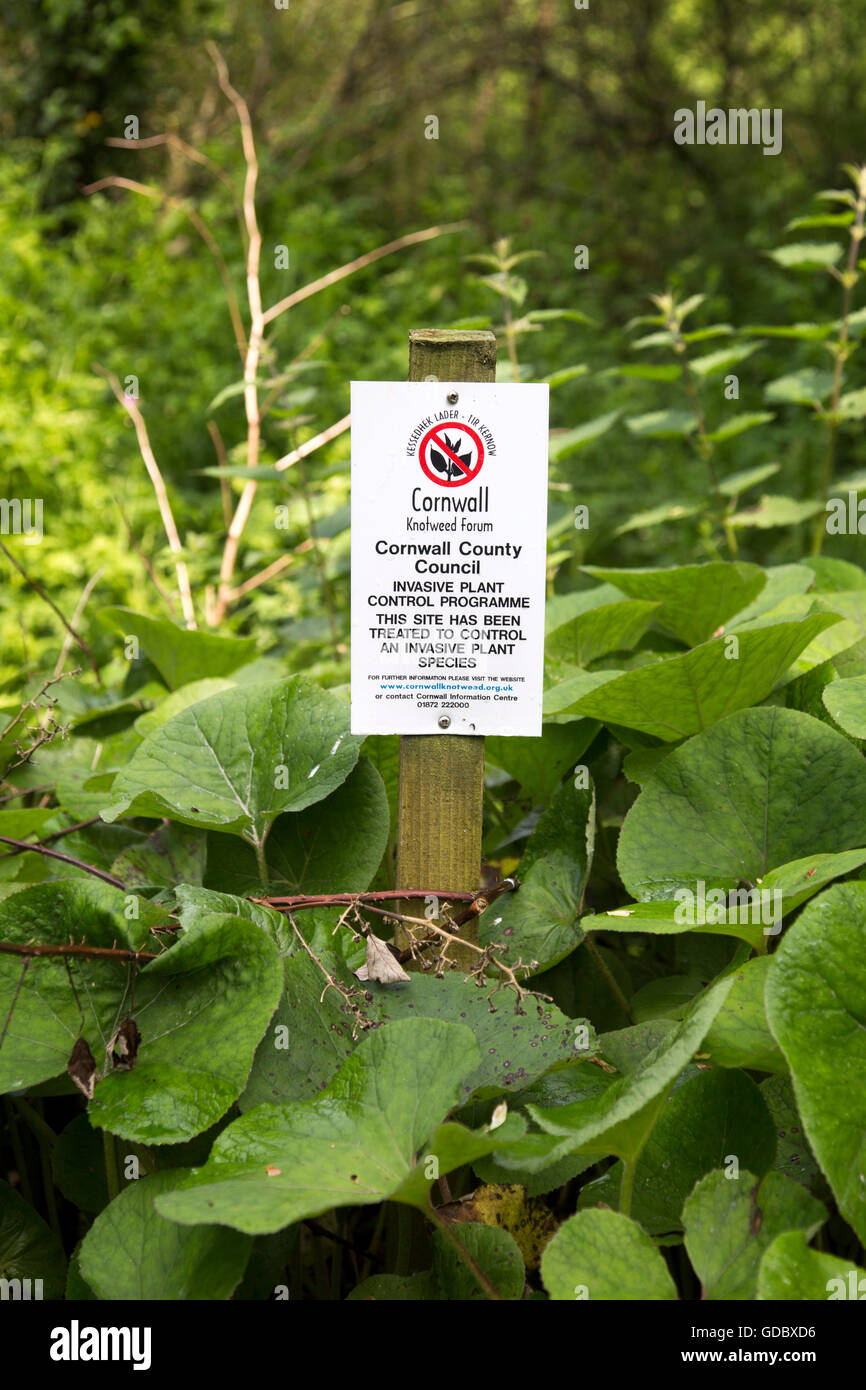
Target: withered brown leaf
<point>381,964</point>
<point>82,1067</point>
<point>124,1044</point>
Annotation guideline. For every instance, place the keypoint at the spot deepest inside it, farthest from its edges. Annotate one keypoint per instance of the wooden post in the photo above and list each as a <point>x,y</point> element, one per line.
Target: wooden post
<point>442,776</point>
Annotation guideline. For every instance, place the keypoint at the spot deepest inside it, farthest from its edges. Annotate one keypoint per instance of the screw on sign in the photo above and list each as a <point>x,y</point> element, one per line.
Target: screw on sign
<point>451,455</point>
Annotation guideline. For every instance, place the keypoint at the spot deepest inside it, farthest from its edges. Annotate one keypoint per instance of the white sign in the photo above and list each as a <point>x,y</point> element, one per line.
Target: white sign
<point>449,529</point>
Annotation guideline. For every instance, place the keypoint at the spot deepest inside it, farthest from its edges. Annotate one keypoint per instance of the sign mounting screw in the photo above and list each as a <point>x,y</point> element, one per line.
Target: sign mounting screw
<point>452,398</point>
<point>444,722</point>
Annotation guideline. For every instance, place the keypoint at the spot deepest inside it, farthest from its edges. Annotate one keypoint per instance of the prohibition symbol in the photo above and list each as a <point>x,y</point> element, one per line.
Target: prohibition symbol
<point>451,455</point>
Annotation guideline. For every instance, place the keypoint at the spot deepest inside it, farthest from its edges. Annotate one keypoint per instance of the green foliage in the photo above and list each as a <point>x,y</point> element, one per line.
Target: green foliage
<point>207,1095</point>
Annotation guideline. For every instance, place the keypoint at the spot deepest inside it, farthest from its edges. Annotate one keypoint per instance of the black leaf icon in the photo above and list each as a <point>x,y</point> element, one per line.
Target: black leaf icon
<point>447,465</point>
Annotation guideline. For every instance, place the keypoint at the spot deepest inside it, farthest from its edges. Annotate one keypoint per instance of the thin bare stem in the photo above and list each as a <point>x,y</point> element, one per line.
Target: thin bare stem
<point>254,343</point>
<point>130,405</point>
<point>23,846</point>
<point>37,588</point>
<point>28,949</point>
<point>269,572</point>
<point>57,835</point>
<point>175,142</point>
<point>333,276</point>
<point>76,618</point>
<point>292,904</point>
<point>311,445</point>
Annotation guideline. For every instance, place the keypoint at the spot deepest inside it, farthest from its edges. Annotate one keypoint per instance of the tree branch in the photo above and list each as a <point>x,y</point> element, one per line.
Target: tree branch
<point>130,405</point>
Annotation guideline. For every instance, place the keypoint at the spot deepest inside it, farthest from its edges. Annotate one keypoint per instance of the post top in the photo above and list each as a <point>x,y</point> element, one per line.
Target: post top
<point>451,335</point>
<point>452,354</point>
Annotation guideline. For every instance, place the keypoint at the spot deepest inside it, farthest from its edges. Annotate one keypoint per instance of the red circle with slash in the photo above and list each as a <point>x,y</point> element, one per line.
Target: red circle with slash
<point>450,468</point>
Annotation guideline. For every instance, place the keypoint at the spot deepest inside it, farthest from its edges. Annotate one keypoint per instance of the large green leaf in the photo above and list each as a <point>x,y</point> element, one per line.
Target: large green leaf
<point>29,1250</point>
<point>808,386</point>
<point>50,1002</point>
<point>132,1253</point>
<point>309,1038</point>
<point>783,581</point>
<point>515,1047</point>
<point>663,424</point>
<point>621,1118</point>
<point>335,845</point>
<point>311,1033</point>
<point>201,1008</point>
<point>565,695</point>
<point>661,918</point>
<point>740,1035</point>
<point>538,764</point>
<point>495,1250</point>
<point>540,922</point>
<point>807,255</point>
<point>695,600</point>
<point>616,627</point>
<point>235,761</point>
<point>711,1116</point>
<point>567,442</point>
<point>790,1270</point>
<point>759,789</point>
<point>562,1085</point>
<point>78,1165</point>
<point>831,574</point>
<point>686,693</point>
<point>730,1222</point>
<point>846,701</point>
<point>179,655</point>
<point>816,1006</point>
<point>179,699</point>
<point>603,1255</point>
<point>168,855</point>
<point>794,1157</point>
<point>353,1144</point>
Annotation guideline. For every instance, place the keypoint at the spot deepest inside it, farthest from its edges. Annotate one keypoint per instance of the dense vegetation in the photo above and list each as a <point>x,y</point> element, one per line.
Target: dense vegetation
<point>651,1082</point>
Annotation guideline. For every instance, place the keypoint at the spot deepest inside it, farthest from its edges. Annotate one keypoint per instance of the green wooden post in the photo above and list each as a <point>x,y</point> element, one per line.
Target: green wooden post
<point>442,776</point>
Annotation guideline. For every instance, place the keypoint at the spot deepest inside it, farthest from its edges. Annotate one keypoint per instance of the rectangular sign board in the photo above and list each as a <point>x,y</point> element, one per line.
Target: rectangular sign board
<point>449,532</point>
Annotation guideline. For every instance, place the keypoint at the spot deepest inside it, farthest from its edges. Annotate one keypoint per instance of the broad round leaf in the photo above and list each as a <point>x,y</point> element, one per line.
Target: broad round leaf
<point>604,1255</point>
<point>29,1250</point>
<point>731,1220</point>
<point>355,1143</point>
<point>759,789</point>
<point>233,762</point>
<point>130,1252</point>
<point>790,1270</point>
<point>540,922</point>
<point>712,1115</point>
<point>201,1007</point>
<point>816,1007</point>
<point>46,1013</point>
<point>683,694</point>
